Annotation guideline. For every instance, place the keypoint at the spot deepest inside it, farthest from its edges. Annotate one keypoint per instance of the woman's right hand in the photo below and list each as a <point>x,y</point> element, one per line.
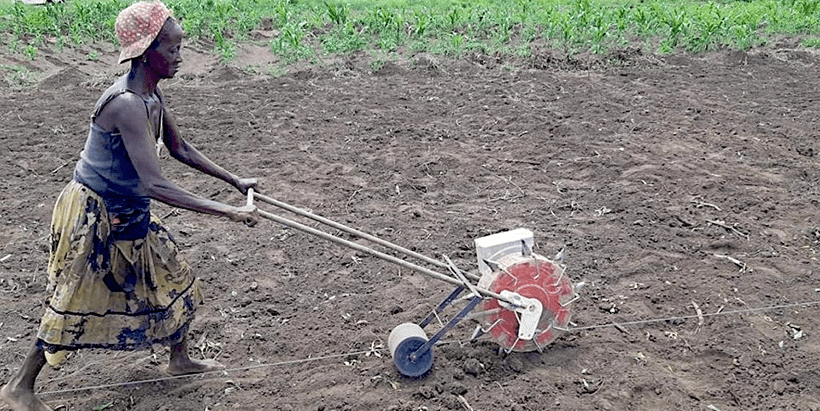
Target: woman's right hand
<point>248,214</point>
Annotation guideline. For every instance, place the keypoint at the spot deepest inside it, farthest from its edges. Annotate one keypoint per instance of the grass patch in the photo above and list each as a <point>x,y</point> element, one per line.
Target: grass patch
<point>307,29</point>
<point>17,77</point>
<point>812,42</point>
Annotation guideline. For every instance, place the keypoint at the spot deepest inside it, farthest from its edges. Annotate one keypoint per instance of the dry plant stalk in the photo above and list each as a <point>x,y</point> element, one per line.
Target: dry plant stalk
<point>728,227</point>
<point>737,262</point>
<point>465,403</point>
<point>700,316</point>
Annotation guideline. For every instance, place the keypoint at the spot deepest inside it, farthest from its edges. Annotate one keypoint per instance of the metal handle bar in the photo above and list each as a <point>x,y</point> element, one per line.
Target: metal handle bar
<point>358,233</point>
<point>250,197</point>
<point>368,250</point>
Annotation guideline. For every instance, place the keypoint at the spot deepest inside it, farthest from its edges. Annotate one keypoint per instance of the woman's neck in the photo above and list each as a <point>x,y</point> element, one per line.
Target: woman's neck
<point>141,80</point>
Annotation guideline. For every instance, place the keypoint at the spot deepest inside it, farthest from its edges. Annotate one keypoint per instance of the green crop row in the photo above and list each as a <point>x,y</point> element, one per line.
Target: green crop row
<point>303,29</point>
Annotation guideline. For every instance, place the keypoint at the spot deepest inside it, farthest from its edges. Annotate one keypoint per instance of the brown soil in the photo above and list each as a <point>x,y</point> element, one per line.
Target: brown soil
<point>672,182</point>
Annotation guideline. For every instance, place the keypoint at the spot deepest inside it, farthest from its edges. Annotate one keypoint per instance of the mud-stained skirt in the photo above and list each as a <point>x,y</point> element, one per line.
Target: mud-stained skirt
<point>120,295</point>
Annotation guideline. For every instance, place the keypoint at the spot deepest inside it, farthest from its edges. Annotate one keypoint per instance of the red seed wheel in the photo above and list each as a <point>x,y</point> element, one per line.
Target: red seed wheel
<point>530,276</point>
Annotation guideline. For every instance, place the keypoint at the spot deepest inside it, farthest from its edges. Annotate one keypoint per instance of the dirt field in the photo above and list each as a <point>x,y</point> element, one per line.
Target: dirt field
<point>674,184</point>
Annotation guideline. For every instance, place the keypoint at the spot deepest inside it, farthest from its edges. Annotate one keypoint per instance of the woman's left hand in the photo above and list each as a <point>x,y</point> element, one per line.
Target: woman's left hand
<point>243,184</point>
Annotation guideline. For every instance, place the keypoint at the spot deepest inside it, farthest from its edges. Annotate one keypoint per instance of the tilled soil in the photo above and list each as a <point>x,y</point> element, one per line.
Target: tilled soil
<point>683,191</point>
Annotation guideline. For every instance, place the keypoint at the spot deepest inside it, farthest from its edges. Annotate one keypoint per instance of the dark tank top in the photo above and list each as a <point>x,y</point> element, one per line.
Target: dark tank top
<point>106,168</point>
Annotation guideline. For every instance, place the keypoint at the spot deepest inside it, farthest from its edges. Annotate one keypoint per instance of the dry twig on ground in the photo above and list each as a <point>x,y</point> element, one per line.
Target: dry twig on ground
<point>700,316</point>
<point>728,227</point>
<point>737,262</point>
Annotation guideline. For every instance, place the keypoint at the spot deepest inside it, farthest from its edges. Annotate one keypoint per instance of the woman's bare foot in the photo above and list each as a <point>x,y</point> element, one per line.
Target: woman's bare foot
<point>21,400</point>
<point>188,366</point>
<point>18,392</point>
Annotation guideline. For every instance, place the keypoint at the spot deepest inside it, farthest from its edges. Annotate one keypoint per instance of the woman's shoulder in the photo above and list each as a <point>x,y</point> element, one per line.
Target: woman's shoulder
<point>116,104</point>
<point>112,92</point>
<point>118,84</point>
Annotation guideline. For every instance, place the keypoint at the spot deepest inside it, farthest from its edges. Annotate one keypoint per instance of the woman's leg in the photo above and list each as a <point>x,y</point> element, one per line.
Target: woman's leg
<point>180,363</point>
<point>18,393</point>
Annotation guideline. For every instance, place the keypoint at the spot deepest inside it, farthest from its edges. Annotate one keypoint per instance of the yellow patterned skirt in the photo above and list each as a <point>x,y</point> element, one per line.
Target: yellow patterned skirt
<point>121,295</point>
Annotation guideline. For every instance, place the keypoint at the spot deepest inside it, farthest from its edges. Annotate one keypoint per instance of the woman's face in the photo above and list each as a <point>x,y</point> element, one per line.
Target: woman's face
<point>165,58</point>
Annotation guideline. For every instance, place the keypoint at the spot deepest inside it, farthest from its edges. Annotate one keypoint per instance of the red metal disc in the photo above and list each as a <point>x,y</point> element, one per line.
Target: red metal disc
<point>530,276</point>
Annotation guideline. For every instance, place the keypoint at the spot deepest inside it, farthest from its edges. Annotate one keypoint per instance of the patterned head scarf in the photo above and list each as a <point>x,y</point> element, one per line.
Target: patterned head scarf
<point>138,25</point>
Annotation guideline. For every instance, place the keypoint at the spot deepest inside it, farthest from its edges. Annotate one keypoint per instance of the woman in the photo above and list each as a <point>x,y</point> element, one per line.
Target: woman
<point>115,273</point>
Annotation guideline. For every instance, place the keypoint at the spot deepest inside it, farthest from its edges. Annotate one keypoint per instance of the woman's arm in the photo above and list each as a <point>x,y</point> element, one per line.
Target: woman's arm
<point>189,155</point>
<point>139,142</point>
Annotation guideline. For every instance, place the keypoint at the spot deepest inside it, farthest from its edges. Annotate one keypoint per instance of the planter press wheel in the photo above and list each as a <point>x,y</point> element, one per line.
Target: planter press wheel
<point>403,342</point>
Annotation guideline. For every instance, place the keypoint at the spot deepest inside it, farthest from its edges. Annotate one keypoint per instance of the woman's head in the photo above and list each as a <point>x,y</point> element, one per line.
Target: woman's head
<point>163,55</point>
<point>138,26</point>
